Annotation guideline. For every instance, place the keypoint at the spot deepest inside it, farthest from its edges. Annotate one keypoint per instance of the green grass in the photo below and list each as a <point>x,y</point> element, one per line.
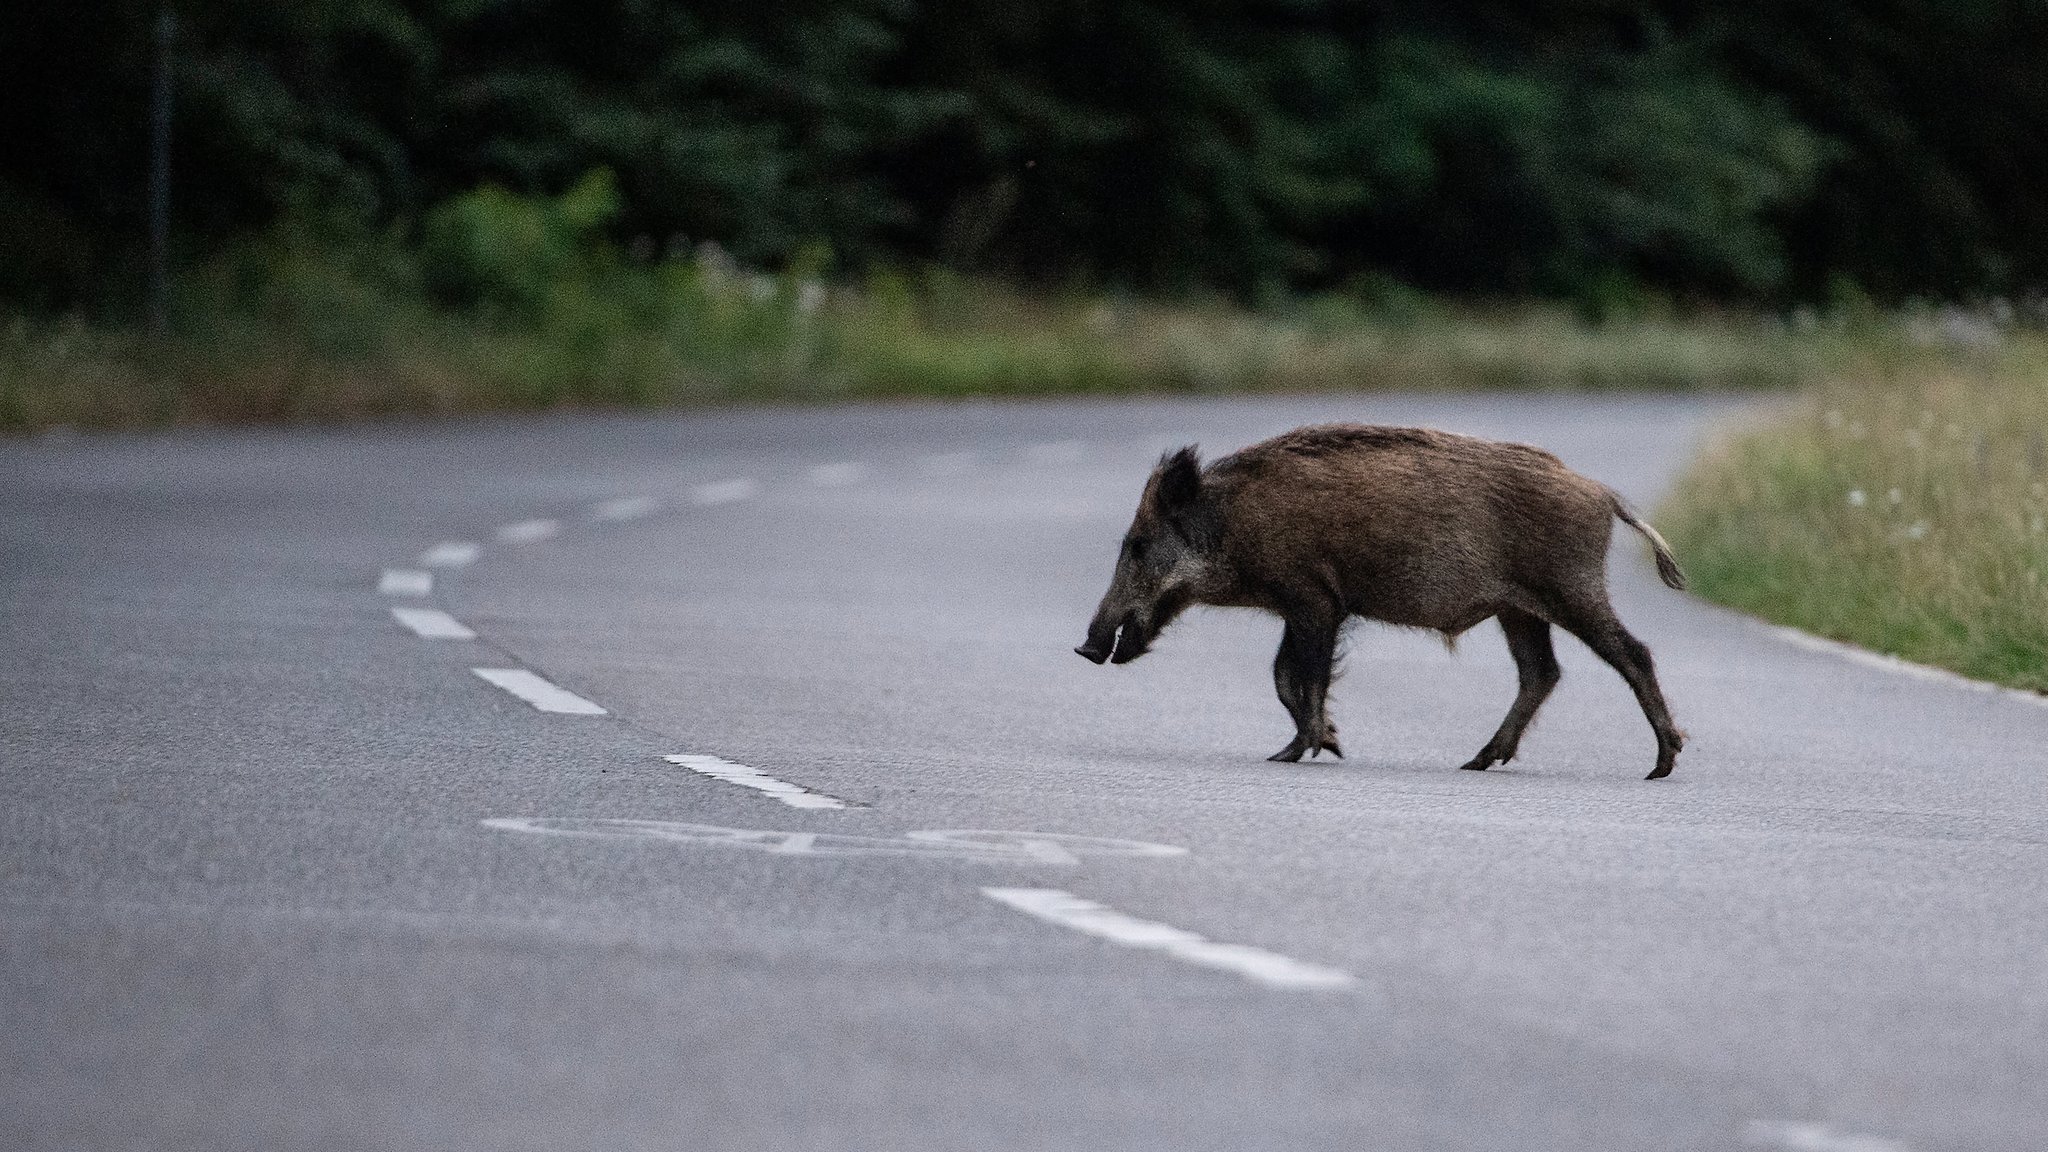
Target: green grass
<point>1905,513</point>
<point>307,339</point>
<point>496,301</point>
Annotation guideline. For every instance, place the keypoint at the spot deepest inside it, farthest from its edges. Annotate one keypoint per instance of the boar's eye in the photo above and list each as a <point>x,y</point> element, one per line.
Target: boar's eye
<point>1138,549</point>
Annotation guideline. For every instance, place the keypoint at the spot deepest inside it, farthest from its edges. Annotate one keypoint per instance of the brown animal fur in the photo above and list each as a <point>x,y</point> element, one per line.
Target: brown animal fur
<point>1405,525</point>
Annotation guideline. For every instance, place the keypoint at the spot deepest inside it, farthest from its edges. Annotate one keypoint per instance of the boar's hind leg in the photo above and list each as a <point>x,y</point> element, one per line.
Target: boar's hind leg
<point>1602,631</point>
<point>1536,666</point>
<point>1301,675</point>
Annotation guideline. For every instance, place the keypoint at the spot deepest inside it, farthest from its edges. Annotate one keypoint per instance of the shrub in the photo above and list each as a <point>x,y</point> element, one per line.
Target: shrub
<point>497,249</point>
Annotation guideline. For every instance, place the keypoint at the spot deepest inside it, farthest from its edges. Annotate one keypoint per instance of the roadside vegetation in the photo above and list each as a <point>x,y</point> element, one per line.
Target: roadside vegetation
<point>313,339</point>
<point>388,206</point>
<point>1903,512</point>
<point>501,302</point>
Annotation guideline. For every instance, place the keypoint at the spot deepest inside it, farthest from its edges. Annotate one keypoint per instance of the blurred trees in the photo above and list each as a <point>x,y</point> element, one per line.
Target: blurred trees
<point>1579,148</point>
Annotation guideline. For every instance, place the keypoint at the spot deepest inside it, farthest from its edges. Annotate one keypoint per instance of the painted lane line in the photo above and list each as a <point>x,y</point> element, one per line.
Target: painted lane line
<point>1255,964</point>
<point>1900,667</point>
<point>1058,452</point>
<point>723,491</point>
<point>625,508</point>
<point>838,475</point>
<point>538,692</point>
<point>528,531</point>
<point>405,582</point>
<point>759,781</point>
<point>451,554</point>
<point>978,845</point>
<point>432,623</point>
<point>1168,441</point>
<point>1796,1137</point>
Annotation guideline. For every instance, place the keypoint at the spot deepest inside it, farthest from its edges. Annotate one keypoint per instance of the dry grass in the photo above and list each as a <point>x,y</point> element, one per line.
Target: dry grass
<point>1906,513</point>
<point>317,341</point>
<point>499,301</point>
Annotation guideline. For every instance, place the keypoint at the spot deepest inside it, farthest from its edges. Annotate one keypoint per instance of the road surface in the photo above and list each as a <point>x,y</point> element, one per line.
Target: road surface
<point>726,781</point>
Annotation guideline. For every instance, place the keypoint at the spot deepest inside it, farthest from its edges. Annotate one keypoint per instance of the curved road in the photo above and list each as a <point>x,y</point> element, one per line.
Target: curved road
<point>858,855</point>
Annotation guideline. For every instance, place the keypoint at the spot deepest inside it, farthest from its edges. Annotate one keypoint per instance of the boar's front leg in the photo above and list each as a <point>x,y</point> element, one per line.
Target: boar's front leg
<point>1301,675</point>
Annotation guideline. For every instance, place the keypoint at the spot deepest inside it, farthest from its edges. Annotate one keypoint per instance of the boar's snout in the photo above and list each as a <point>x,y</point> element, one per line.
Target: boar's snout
<point>1115,642</point>
<point>1130,642</point>
<point>1101,642</point>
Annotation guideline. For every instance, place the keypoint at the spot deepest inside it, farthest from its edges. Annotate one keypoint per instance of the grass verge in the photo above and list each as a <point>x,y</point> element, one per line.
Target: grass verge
<point>315,339</point>
<point>1906,513</point>
<point>496,301</point>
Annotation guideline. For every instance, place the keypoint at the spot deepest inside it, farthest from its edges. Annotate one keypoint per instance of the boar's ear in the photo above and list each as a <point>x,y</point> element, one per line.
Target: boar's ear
<point>1180,479</point>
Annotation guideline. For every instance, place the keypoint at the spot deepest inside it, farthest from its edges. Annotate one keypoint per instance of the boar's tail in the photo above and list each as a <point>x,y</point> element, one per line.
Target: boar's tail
<point>1667,568</point>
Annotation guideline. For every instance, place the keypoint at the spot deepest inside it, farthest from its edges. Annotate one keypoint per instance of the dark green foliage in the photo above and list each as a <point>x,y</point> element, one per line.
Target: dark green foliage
<point>1606,153</point>
<point>496,249</point>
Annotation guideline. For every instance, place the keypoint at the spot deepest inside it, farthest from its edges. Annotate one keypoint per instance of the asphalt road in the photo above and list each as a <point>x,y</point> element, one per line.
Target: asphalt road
<point>276,872</point>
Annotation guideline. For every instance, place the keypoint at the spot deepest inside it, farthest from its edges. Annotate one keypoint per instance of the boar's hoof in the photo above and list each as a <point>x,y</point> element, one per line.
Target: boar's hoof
<point>1479,763</point>
<point>1313,748</point>
<point>1291,753</point>
<point>1659,772</point>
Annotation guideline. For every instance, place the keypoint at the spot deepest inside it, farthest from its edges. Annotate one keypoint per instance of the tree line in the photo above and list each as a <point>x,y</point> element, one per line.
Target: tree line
<point>1720,150</point>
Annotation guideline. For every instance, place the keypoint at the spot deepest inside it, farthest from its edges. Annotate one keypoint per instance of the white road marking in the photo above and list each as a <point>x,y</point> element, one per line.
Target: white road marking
<point>948,464</point>
<point>723,491</point>
<point>528,531</point>
<point>1046,847</point>
<point>838,475</point>
<point>1058,452</point>
<point>451,554</point>
<point>1894,664</point>
<point>538,692</point>
<point>1256,964</point>
<point>625,508</point>
<point>982,845</point>
<point>405,582</point>
<point>759,781</point>
<point>1797,1137</point>
<point>433,623</point>
<point>1169,441</point>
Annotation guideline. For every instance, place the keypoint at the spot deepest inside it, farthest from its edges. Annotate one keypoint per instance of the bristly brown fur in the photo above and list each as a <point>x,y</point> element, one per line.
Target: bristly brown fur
<point>1409,526</point>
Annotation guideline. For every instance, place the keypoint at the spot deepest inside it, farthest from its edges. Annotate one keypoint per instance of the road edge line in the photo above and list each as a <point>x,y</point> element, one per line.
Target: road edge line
<point>1898,666</point>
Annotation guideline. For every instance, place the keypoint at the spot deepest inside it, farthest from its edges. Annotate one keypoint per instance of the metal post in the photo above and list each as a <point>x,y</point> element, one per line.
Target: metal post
<point>160,174</point>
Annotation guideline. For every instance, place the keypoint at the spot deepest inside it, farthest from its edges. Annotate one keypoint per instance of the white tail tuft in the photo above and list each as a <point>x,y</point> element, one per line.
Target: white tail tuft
<point>1667,566</point>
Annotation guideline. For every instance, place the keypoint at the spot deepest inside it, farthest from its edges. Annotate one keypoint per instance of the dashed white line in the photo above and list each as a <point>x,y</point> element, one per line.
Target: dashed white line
<point>451,554</point>
<point>433,624</point>
<point>1169,441</point>
<point>838,475</point>
<point>1058,452</point>
<point>1797,1137</point>
<point>624,508</point>
<point>1255,964</point>
<point>528,531</point>
<point>759,781</point>
<point>538,692</point>
<point>723,491</point>
<point>405,582</point>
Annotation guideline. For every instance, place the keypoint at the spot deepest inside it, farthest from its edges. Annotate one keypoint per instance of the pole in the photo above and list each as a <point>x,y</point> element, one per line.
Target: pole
<point>160,174</point>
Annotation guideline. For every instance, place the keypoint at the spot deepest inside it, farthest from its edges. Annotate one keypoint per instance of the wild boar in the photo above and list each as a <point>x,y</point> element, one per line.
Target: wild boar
<point>1407,526</point>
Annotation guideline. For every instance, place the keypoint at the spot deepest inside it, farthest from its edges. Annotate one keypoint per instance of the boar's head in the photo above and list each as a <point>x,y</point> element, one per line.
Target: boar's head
<point>1162,566</point>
